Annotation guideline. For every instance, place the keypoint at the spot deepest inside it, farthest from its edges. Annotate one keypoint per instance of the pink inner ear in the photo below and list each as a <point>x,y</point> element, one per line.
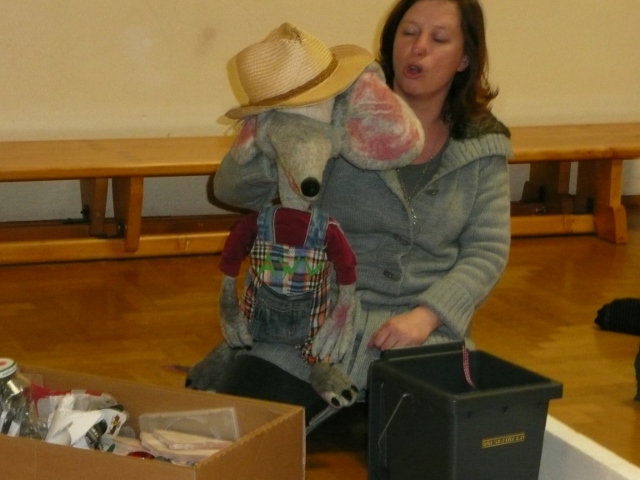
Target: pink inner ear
<point>243,148</point>
<point>247,132</point>
<point>379,125</point>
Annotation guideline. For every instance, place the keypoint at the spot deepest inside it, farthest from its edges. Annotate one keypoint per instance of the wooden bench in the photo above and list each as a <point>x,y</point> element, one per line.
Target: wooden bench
<point>599,149</point>
<point>126,162</point>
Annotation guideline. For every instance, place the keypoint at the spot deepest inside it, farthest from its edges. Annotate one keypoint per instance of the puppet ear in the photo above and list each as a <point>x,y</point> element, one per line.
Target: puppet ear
<point>379,130</point>
<point>244,148</point>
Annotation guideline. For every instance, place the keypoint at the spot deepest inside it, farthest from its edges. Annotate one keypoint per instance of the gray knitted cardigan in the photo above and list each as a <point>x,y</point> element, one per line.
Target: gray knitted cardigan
<point>449,258</point>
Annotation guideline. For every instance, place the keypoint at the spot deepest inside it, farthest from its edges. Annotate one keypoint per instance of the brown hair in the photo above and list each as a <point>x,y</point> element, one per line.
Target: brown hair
<point>470,93</point>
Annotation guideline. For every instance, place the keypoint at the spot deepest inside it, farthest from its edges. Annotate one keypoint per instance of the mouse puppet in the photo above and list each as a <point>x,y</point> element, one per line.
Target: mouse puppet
<point>308,104</point>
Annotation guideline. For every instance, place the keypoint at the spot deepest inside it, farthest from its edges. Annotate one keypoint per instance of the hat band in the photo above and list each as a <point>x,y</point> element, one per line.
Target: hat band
<point>317,80</point>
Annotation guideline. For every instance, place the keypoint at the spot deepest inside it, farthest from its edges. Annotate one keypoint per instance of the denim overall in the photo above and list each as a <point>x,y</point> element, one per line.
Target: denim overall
<point>286,287</point>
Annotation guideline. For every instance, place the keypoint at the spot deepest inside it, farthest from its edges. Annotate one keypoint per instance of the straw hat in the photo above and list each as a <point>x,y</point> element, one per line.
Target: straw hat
<point>291,68</point>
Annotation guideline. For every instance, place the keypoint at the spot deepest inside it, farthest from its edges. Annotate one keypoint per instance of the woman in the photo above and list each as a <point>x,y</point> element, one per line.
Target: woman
<point>434,56</point>
<point>432,238</point>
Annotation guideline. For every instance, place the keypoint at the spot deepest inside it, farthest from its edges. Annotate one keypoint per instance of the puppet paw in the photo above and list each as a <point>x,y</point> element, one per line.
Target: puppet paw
<point>237,334</point>
<point>234,326</point>
<point>335,337</point>
<point>208,372</point>
<point>332,341</point>
<point>334,386</point>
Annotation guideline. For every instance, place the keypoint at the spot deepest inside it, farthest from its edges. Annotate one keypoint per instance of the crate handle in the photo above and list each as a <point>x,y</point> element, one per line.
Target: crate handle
<point>395,410</point>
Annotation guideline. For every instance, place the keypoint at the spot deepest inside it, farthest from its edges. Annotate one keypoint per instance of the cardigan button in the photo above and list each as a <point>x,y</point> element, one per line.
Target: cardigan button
<point>404,241</point>
<point>391,275</point>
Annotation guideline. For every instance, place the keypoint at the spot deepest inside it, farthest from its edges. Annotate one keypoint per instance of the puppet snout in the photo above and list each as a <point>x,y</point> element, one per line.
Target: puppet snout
<point>310,187</point>
<point>301,146</point>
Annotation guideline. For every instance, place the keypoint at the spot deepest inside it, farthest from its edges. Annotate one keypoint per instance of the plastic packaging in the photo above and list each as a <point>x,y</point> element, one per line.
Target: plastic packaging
<point>220,423</point>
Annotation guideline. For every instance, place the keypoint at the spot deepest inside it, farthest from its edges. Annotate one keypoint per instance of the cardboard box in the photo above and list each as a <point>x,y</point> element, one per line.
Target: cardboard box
<point>569,455</point>
<point>271,445</point>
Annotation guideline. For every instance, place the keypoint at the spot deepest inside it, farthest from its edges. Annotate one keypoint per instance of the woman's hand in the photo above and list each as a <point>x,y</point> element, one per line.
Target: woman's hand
<point>406,330</point>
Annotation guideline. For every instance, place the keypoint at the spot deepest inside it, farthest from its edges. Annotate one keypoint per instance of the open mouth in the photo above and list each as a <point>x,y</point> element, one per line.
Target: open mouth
<point>413,70</point>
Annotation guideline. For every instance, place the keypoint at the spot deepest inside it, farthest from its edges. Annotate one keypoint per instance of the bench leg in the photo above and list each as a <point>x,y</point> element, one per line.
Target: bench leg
<point>127,208</point>
<point>93,192</point>
<point>602,181</point>
<point>554,178</point>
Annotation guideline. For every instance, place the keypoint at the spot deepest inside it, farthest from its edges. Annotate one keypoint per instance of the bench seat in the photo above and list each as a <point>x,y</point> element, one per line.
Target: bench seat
<point>111,158</point>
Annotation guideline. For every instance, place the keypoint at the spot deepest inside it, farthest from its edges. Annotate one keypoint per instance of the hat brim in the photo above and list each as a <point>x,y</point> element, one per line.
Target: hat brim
<point>352,60</point>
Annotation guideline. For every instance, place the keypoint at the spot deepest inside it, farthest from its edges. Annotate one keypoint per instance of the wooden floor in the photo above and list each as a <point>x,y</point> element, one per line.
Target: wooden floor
<point>134,319</point>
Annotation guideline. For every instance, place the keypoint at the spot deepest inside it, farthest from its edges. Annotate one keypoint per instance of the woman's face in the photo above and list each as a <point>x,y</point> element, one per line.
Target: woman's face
<point>428,50</point>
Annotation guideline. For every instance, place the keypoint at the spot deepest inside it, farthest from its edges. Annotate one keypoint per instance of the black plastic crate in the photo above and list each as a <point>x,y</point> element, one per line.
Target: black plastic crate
<point>427,422</point>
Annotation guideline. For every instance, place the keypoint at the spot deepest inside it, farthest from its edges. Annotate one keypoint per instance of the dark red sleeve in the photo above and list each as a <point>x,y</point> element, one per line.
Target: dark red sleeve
<point>238,244</point>
<point>339,252</point>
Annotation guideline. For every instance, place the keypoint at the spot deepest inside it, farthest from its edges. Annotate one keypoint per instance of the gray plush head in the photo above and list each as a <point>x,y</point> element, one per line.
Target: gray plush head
<point>368,125</point>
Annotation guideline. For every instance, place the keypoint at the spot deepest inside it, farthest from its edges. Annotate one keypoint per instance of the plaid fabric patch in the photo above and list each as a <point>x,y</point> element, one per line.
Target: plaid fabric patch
<point>290,271</point>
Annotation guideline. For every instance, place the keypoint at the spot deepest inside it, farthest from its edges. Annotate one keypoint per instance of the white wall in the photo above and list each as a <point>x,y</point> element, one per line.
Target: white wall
<point>78,69</point>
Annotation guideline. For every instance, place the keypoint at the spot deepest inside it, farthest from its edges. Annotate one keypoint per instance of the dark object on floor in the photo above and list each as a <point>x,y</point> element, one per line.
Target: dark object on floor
<point>638,375</point>
<point>250,376</point>
<point>621,315</point>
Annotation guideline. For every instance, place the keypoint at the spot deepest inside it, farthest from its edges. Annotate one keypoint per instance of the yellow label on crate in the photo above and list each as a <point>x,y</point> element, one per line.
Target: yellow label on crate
<point>503,440</point>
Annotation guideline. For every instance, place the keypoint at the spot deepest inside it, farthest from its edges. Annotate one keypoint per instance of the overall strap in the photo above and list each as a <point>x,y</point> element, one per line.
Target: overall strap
<point>266,224</point>
<point>317,229</point>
